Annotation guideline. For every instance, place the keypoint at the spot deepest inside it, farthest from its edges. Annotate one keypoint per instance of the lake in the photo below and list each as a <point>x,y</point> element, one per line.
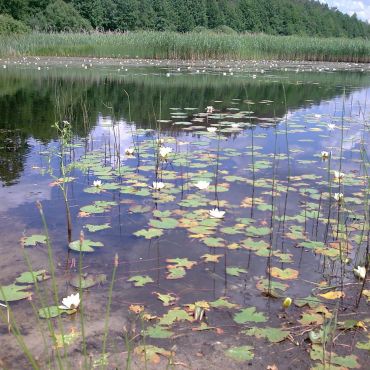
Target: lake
<point>212,215</point>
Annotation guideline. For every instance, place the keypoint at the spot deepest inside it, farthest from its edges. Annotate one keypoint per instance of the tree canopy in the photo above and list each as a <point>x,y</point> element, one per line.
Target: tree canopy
<point>278,17</point>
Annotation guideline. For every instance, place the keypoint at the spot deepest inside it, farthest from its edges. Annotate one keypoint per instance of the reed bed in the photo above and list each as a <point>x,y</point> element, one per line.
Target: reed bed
<point>188,46</point>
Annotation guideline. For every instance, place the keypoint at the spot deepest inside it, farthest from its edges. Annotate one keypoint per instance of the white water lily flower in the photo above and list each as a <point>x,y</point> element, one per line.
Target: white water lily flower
<point>129,151</point>
<point>97,183</point>
<point>324,155</point>
<point>210,109</point>
<point>71,302</point>
<point>331,126</point>
<point>360,272</point>
<point>216,213</point>
<point>201,185</point>
<point>338,175</point>
<point>211,129</point>
<point>158,185</point>
<point>338,197</point>
<point>317,115</point>
<point>235,125</point>
<point>164,151</point>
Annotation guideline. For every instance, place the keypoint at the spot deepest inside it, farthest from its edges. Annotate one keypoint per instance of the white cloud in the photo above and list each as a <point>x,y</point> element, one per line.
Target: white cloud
<point>361,8</point>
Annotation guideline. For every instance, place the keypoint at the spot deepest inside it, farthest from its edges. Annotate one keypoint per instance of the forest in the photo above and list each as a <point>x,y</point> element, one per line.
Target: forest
<point>277,17</point>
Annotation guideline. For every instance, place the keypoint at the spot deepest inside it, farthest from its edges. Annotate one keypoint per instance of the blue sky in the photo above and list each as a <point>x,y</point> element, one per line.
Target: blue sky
<point>361,8</point>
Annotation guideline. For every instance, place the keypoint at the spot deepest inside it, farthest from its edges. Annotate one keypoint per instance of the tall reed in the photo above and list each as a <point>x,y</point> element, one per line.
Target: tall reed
<point>188,46</point>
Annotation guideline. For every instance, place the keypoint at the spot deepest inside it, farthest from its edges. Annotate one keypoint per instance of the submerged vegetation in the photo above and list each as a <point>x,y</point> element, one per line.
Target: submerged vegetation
<point>189,46</point>
<point>220,236</point>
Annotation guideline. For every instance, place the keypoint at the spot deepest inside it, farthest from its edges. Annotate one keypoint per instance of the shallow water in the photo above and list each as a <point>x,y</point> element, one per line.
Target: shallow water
<point>265,170</point>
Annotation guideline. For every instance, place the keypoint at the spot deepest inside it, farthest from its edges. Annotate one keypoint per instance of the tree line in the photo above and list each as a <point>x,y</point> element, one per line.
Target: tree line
<point>278,17</point>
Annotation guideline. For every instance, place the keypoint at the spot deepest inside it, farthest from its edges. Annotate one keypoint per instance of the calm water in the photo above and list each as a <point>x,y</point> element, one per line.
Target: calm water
<point>279,234</point>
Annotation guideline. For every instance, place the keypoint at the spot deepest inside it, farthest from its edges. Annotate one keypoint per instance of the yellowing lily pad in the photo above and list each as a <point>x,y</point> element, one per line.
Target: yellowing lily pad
<point>286,274</point>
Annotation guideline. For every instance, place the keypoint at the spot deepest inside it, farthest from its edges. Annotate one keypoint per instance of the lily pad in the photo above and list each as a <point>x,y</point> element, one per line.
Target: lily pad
<point>30,277</point>
<point>87,280</point>
<point>249,315</point>
<point>53,311</point>
<point>274,335</point>
<point>13,292</point>
<point>150,233</point>
<point>33,240</point>
<point>235,271</point>
<point>95,228</point>
<point>158,332</point>
<point>86,246</point>
<point>140,281</point>
<point>241,354</point>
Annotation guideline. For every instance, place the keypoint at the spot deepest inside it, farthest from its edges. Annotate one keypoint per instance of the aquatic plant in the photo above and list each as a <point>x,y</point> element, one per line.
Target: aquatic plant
<point>188,46</point>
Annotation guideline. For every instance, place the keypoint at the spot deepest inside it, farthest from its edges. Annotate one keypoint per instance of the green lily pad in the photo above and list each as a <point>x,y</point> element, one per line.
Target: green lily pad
<point>95,228</point>
<point>87,245</point>
<point>164,223</point>
<point>158,332</point>
<point>241,354</point>
<point>140,281</point>
<point>235,271</point>
<point>30,277</point>
<point>150,233</point>
<point>53,311</point>
<point>167,299</point>
<point>175,315</point>
<point>222,303</point>
<point>13,292</point>
<point>87,280</point>
<point>249,315</point>
<point>273,335</point>
<point>33,240</point>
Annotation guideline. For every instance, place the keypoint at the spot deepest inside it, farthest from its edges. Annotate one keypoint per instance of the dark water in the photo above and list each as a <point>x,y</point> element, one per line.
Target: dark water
<point>264,166</point>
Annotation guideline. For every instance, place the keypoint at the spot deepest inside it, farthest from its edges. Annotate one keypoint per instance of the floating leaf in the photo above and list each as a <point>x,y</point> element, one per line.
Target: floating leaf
<point>258,231</point>
<point>273,288</point>
<point>332,295</point>
<point>140,209</point>
<point>164,223</point>
<point>140,281</point>
<point>95,228</point>
<point>249,315</point>
<point>286,274</point>
<point>241,354</point>
<point>222,303</point>
<point>273,335</point>
<point>150,233</point>
<point>167,299</point>
<point>13,292</point>
<point>214,242</point>
<point>151,353</point>
<point>235,271</point>
<point>212,257</point>
<point>175,315</point>
<point>87,280</point>
<point>175,272</point>
<point>181,262</point>
<point>53,311</point>
<point>33,240</point>
<point>158,332</point>
<point>30,277</point>
<point>86,246</point>
<point>317,353</point>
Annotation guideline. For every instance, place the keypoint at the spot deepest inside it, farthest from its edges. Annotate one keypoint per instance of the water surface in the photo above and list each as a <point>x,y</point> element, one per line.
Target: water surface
<point>283,233</point>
